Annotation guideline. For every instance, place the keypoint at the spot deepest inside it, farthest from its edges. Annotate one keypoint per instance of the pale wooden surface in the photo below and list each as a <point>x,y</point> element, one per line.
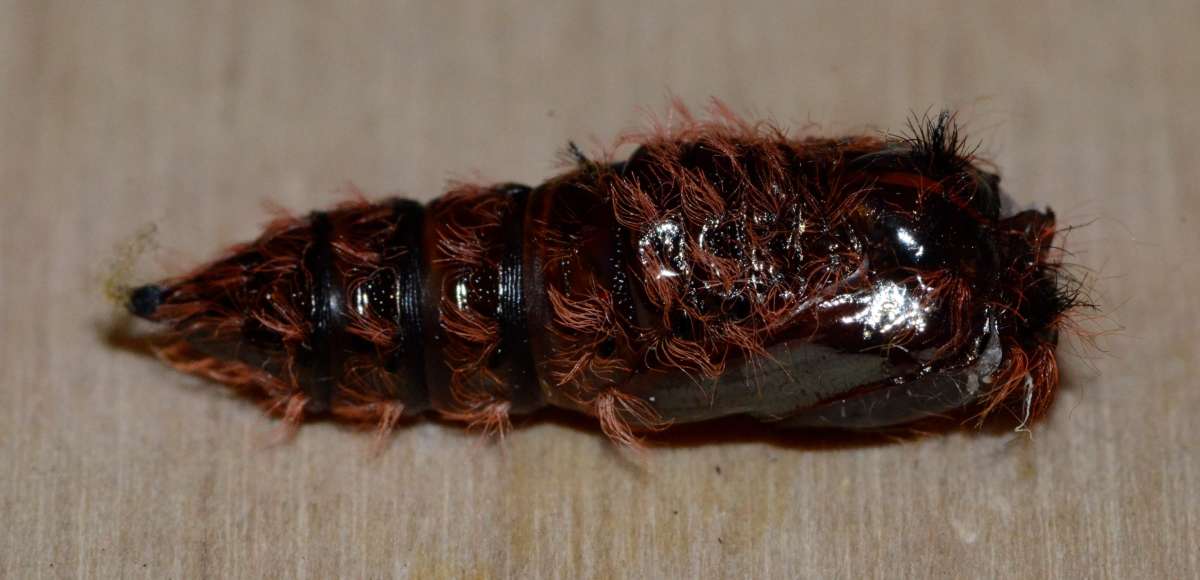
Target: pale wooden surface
<point>187,115</point>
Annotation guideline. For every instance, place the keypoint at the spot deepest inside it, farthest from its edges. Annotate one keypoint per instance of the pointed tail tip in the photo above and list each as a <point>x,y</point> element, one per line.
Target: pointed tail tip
<point>144,300</point>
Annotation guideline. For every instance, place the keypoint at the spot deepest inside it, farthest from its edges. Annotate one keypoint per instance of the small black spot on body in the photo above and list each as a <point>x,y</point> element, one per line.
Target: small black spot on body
<point>144,300</point>
<point>607,348</point>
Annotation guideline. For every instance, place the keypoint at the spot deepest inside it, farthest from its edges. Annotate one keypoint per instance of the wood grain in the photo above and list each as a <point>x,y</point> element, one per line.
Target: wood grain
<point>187,114</point>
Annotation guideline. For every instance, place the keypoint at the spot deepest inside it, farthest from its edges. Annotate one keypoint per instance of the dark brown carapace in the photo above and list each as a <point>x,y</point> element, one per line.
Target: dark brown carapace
<point>723,268</point>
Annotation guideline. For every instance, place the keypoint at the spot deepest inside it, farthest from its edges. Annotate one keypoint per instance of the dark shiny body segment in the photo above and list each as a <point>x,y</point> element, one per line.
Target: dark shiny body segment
<point>389,290</point>
<point>406,364</point>
<point>515,354</point>
<point>476,315</point>
<point>437,373</point>
<point>576,249</point>
<point>321,359</point>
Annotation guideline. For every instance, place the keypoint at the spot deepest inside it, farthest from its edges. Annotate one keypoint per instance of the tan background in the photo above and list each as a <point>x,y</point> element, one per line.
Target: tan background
<point>114,115</point>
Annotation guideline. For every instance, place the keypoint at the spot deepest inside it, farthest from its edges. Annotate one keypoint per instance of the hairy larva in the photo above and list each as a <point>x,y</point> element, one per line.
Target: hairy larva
<point>722,269</point>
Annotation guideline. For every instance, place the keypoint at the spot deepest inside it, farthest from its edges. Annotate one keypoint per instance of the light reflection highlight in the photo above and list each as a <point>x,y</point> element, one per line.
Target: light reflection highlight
<point>885,309</point>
